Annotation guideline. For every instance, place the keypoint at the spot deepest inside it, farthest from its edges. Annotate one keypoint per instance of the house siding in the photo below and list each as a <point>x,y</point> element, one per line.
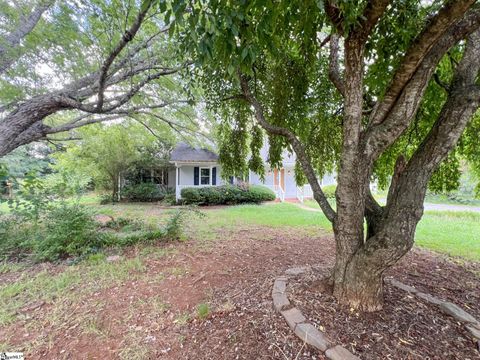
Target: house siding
<point>290,184</point>
<point>187,174</point>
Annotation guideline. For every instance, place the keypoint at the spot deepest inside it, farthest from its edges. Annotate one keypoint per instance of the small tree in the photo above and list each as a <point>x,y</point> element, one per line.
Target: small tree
<point>105,153</point>
<point>375,88</point>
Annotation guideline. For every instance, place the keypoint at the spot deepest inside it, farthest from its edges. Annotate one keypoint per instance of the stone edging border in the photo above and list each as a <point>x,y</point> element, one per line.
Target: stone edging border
<point>318,339</point>
<point>471,324</point>
<point>299,324</point>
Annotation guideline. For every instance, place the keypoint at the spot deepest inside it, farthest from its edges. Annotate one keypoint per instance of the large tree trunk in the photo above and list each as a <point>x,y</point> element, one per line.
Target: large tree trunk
<point>361,261</point>
<point>361,288</point>
<point>358,279</point>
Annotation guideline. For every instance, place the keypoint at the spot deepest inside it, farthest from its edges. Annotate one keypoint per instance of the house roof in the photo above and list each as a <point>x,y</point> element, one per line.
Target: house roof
<point>186,153</point>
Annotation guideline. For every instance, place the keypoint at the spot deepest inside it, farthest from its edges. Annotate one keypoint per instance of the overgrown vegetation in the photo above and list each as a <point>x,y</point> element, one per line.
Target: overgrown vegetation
<point>227,194</point>
<point>43,226</point>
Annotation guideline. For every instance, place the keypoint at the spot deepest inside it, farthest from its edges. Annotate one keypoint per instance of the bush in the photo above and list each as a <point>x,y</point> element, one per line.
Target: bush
<point>106,199</point>
<point>170,198</point>
<point>144,192</point>
<point>258,194</point>
<point>16,237</point>
<point>329,191</point>
<point>192,196</point>
<point>226,194</point>
<point>69,231</point>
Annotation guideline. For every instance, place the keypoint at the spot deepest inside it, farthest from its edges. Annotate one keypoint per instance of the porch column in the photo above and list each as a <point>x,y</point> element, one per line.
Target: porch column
<point>177,181</point>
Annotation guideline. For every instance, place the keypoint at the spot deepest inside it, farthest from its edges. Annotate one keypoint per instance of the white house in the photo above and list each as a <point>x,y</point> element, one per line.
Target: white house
<point>194,167</point>
<point>282,181</point>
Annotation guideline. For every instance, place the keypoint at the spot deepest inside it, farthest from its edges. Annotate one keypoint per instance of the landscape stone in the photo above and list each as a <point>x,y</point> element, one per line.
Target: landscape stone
<point>280,301</point>
<point>103,219</point>
<point>309,334</point>
<point>295,271</point>
<point>340,353</point>
<point>279,286</point>
<point>404,287</point>
<point>293,317</point>
<point>474,331</point>
<point>457,312</point>
<point>429,298</point>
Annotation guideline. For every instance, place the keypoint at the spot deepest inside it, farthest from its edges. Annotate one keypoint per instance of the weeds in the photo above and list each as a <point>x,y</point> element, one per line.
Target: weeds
<point>203,310</point>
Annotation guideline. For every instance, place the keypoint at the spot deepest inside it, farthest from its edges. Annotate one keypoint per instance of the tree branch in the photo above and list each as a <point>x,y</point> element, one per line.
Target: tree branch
<point>381,135</point>
<point>296,145</point>
<point>448,15</point>
<point>335,15</point>
<point>462,103</point>
<point>333,67</point>
<point>126,38</point>
<point>25,26</point>
<point>367,21</point>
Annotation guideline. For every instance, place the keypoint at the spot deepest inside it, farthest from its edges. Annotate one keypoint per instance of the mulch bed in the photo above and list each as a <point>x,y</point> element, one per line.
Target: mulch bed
<point>448,279</point>
<point>235,278</point>
<point>407,327</point>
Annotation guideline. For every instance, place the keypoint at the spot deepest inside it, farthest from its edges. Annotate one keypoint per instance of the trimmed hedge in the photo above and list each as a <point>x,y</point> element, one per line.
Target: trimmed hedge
<point>143,192</point>
<point>226,194</point>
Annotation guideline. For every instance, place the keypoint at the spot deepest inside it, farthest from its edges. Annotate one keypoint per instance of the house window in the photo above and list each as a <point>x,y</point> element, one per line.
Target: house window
<point>160,176</point>
<point>204,176</point>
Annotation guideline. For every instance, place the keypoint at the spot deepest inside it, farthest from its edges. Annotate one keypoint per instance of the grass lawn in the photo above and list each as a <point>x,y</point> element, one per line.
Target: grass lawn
<point>451,232</point>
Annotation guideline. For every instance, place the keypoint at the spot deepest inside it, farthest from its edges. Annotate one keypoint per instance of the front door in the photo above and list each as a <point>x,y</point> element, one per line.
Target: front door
<point>279,178</point>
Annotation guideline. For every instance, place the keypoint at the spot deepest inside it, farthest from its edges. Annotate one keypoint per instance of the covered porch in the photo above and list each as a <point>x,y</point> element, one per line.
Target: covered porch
<point>199,174</point>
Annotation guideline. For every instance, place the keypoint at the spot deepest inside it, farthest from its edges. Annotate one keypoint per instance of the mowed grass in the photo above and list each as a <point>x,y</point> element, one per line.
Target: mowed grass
<point>273,214</point>
<point>454,233</point>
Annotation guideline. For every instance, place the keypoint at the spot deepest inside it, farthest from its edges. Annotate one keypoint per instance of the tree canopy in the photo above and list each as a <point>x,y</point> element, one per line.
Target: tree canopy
<point>376,89</point>
<point>66,64</point>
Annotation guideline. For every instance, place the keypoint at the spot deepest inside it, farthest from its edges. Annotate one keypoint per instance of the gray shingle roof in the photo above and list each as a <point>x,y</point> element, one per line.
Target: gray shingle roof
<point>184,152</point>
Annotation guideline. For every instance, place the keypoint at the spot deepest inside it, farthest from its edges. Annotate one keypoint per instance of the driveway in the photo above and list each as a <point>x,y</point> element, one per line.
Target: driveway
<point>450,207</point>
<point>428,207</point>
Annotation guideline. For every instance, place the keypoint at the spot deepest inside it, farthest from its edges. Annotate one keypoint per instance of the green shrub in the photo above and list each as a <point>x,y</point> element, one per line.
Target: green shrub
<point>329,191</point>
<point>140,236</point>
<point>69,231</point>
<point>258,194</point>
<point>106,199</point>
<point>173,230</point>
<point>192,196</point>
<point>144,192</point>
<point>226,194</point>
<point>170,198</point>
<point>16,237</point>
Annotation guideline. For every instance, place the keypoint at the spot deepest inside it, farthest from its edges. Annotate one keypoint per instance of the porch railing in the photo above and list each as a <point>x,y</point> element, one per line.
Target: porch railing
<point>280,192</point>
<point>304,192</point>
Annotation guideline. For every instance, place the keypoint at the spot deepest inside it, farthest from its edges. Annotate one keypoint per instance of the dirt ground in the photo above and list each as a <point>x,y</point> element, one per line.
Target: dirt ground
<point>214,302</point>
